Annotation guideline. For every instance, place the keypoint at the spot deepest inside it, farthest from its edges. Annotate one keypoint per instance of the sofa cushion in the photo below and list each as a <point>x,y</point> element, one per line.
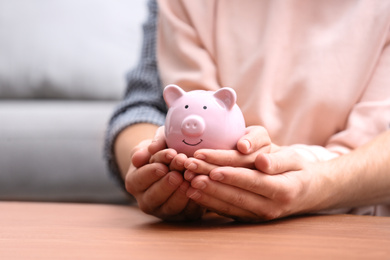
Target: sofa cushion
<point>68,49</point>
<point>53,151</point>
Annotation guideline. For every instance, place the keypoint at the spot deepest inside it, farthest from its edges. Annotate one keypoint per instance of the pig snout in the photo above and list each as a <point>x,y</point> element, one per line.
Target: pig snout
<point>193,126</point>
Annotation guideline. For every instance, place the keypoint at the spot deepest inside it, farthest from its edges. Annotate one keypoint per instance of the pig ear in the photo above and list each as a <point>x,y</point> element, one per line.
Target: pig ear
<point>227,96</point>
<point>172,93</point>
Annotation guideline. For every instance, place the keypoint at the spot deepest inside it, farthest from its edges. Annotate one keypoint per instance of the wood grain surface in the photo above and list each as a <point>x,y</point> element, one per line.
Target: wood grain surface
<point>94,231</point>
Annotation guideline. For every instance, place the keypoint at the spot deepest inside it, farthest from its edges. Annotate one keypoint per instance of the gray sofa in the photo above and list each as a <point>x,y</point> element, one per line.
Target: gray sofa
<point>62,71</point>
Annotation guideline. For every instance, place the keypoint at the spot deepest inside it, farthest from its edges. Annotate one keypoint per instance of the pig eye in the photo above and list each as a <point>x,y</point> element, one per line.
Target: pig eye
<point>204,107</point>
<point>186,106</point>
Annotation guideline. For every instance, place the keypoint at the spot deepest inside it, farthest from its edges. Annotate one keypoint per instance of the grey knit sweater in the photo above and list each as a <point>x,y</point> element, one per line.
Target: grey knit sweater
<point>143,101</point>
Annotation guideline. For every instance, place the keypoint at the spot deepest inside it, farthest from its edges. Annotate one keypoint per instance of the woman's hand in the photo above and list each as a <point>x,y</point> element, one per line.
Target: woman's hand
<point>256,141</point>
<point>157,183</point>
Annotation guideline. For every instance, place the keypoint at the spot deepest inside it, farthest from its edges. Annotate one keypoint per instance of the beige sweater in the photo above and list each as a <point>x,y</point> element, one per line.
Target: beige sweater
<point>311,72</point>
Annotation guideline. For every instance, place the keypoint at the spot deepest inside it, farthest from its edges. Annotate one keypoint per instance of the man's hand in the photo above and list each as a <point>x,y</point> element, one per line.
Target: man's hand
<point>282,185</point>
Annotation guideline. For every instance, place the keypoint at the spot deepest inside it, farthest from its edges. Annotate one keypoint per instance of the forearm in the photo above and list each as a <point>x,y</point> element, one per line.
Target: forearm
<point>143,102</point>
<point>127,140</point>
<point>359,178</point>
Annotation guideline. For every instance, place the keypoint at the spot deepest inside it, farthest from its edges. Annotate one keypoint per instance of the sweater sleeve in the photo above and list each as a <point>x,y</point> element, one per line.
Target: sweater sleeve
<point>368,118</point>
<point>143,101</point>
<point>371,115</point>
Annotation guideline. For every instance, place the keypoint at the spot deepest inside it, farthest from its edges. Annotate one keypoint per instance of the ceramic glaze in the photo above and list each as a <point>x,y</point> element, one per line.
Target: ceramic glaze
<point>202,119</point>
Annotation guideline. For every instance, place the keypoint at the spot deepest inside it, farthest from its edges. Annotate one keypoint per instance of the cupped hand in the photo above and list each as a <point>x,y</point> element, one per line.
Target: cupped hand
<point>282,185</point>
<point>255,141</point>
<point>156,181</point>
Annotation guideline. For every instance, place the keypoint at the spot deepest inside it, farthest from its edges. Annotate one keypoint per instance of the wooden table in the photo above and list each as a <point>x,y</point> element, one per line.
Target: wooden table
<point>89,231</point>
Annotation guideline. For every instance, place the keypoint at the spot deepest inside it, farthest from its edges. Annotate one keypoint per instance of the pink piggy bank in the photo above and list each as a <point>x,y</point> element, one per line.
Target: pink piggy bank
<point>202,119</point>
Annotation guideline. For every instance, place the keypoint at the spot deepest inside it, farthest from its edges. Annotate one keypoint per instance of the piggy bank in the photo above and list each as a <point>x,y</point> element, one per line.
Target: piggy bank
<point>202,119</point>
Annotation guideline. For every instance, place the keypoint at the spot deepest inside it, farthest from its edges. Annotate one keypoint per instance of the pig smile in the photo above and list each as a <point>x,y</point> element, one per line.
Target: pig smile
<point>184,141</point>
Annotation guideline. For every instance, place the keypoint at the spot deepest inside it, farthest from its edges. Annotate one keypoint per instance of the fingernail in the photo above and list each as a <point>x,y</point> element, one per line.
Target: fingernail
<point>193,194</point>
<point>180,162</point>
<point>247,145</point>
<point>266,157</point>
<point>155,139</point>
<point>199,185</point>
<point>200,156</point>
<point>173,180</point>
<point>193,166</point>
<point>169,156</point>
<point>216,176</point>
<point>160,172</point>
<point>189,175</point>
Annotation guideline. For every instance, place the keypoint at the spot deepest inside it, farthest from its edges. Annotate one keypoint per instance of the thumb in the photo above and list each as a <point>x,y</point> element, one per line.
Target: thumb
<point>158,143</point>
<point>279,162</point>
<point>140,157</point>
<point>255,138</point>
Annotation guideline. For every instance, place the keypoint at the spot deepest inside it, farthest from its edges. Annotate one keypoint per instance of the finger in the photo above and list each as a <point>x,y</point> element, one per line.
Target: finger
<point>175,204</point>
<point>199,166</point>
<point>140,155</point>
<point>279,162</point>
<point>193,211</point>
<point>158,143</point>
<point>157,194</point>
<point>177,163</point>
<point>189,175</point>
<point>280,189</point>
<point>223,199</point>
<point>250,180</point>
<point>139,179</point>
<point>221,207</point>
<point>256,138</point>
<point>226,158</point>
<point>164,156</point>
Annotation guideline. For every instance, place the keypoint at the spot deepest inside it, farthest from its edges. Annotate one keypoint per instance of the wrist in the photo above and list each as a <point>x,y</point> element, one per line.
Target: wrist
<point>352,180</point>
<point>127,140</point>
<point>314,153</point>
